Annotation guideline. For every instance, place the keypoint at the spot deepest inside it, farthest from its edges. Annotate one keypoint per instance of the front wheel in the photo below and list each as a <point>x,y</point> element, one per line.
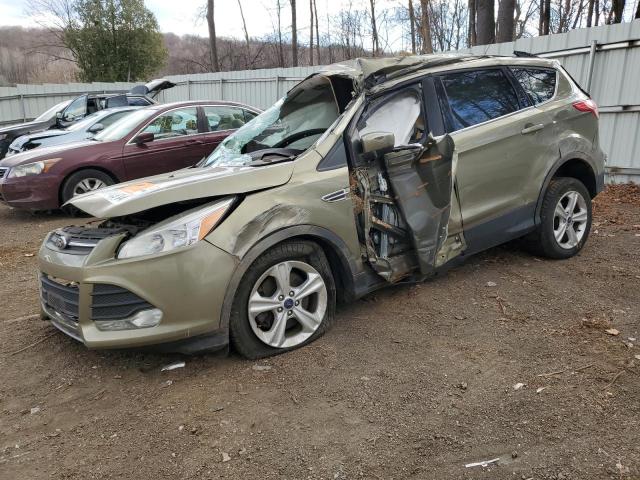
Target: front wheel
<point>81,182</point>
<point>286,299</point>
<point>565,219</point>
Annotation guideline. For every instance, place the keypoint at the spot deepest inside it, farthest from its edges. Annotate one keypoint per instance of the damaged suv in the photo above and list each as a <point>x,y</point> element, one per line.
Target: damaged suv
<point>368,173</point>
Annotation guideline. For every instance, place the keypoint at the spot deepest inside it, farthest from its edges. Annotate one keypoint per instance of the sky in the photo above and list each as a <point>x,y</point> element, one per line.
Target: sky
<point>181,16</point>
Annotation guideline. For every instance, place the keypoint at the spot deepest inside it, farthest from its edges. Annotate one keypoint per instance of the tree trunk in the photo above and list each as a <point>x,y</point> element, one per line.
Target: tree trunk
<point>311,33</point>
<point>618,9</point>
<point>472,40</point>
<point>597,7</point>
<point>294,34</point>
<point>375,47</point>
<point>425,28</point>
<point>486,23</point>
<point>315,13</point>
<point>213,47</point>
<point>280,47</point>
<point>590,13</point>
<point>505,20</point>
<point>637,15</point>
<point>546,19</point>
<point>412,24</point>
<point>246,37</point>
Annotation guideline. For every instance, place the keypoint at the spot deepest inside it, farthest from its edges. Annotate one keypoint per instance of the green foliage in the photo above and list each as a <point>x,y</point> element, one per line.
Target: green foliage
<point>115,40</point>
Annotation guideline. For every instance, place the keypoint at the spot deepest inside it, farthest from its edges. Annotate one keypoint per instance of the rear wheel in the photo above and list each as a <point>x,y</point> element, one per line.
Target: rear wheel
<point>565,219</point>
<point>81,182</point>
<point>286,299</point>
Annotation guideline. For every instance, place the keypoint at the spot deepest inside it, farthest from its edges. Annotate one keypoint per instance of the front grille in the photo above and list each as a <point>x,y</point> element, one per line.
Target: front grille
<point>62,298</point>
<point>3,171</point>
<point>79,240</point>
<point>110,302</point>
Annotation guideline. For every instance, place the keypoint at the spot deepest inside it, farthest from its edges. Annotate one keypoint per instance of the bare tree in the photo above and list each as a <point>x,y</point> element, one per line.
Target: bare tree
<point>375,43</point>
<point>472,39</point>
<point>213,47</point>
<point>486,24</point>
<point>545,17</point>
<point>412,26</point>
<point>425,27</point>
<point>617,9</point>
<point>590,13</point>
<point>637,14</point>
<point>505,25</point>
<point>315,14</point>
<point>249,63</point>
<point>311,33</point>
<point>294,34</point>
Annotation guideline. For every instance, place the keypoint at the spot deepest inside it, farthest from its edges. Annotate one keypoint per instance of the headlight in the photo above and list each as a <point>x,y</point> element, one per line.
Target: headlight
<point>35,168</point>
<point>181,232</point>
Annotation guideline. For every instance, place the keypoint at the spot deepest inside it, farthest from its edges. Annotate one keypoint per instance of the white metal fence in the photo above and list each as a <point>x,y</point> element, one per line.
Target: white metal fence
<point>605,60</point>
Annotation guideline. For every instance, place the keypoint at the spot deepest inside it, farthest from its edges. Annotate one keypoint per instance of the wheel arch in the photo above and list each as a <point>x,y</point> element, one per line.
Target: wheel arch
<point>575,165</point>
<point>79,169</point>
<point>343,265</point>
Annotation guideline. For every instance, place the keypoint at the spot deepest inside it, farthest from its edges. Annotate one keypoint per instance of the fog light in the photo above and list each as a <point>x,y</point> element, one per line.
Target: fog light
<point>143,319</point>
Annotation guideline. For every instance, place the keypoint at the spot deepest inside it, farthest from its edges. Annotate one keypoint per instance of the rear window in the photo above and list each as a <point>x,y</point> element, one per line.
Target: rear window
<point>478,96</point>
<point>538,83</point>
<point>138,101</point>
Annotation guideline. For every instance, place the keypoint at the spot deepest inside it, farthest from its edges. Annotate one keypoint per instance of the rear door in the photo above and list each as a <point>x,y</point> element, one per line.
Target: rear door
<point>177,144</point>
<point>497,136</point>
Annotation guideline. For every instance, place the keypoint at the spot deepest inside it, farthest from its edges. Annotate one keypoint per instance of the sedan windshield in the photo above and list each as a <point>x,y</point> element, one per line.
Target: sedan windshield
<point>123,127</point>
<point>286,129</point>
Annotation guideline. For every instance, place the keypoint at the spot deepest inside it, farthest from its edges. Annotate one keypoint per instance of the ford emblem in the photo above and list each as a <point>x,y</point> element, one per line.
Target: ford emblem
<point>60,241</point>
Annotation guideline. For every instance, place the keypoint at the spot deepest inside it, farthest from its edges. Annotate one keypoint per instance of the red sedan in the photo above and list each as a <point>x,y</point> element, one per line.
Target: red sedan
<point>149,141</point>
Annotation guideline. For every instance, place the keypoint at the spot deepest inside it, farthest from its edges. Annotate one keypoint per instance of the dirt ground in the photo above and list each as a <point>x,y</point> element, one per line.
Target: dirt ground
<point>412,382</point>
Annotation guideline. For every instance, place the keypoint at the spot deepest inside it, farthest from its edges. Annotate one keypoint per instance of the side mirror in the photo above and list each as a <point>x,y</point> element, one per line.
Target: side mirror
<point>378,142</point>
<point>143,138</point>
<point>95,128</point>
<point>59,115</point>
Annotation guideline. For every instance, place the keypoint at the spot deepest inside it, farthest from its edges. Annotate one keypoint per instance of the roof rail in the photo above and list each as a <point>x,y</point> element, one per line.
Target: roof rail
<point>520,53</point>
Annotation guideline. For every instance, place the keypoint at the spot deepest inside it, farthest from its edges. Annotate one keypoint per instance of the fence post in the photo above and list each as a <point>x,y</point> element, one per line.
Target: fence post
<point>277,88</point>
<point>188,89</point>
<point>592,61</point>
<point>24,109</point>
<point>221,90</point>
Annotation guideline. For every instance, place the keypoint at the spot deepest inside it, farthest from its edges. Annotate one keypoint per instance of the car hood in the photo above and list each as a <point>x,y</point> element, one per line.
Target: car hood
<point>43,153</point>
<point>25,127</point>
<point>37,136</point>
<point>188,184</point>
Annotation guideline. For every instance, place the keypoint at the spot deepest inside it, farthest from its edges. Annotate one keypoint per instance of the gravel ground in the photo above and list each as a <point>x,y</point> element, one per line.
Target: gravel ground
<point>506,357</point>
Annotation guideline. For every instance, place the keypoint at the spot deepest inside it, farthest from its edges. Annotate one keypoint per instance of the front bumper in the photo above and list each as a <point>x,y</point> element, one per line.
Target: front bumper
<point>37,192</point>
<point>187,285</point>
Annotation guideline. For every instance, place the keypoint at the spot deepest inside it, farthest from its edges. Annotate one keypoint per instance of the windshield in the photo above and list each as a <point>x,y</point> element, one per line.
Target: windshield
<point>122,128</point>
<point>51,113</point>
<point>293,124</point>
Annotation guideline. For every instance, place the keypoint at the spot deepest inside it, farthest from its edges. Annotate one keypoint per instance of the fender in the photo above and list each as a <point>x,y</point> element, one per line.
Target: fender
<point>349,269</point>
<point>562,160</point>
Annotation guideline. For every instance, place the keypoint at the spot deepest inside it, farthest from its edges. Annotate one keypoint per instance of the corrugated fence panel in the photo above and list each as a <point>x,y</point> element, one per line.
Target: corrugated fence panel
<point>616,71</point>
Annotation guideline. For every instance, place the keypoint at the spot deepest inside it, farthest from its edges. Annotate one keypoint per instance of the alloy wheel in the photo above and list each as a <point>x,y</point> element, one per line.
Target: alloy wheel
<point>287,304</point>
<point>88,185</point>
<point>570,219</point>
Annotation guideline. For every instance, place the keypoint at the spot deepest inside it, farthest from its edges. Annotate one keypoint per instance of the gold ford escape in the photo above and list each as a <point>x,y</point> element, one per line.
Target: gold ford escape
<point>368,173</point>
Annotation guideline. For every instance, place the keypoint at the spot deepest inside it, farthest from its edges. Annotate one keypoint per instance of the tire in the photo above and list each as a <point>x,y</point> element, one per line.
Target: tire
<point>92,180</point>
<point>549,240</point>
<point>261,305</point>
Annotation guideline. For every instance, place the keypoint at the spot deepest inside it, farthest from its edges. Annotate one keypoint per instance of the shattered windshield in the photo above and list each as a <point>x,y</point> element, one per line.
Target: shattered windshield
<point>286,129</point>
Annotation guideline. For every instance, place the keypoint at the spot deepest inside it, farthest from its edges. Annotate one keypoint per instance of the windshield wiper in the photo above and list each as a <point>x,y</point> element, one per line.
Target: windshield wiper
<point>281,154</point>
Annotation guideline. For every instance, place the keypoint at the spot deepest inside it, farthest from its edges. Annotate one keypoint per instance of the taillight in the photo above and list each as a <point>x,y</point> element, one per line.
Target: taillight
<point>587,106</point>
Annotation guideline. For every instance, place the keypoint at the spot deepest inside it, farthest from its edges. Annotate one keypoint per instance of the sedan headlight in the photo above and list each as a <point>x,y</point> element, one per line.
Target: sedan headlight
<point>180,232</point>
<point>35,168</point>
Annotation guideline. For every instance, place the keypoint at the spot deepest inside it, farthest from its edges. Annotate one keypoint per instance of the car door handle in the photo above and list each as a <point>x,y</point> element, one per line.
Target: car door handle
<point>530,128</point>
<point>195,142</point>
